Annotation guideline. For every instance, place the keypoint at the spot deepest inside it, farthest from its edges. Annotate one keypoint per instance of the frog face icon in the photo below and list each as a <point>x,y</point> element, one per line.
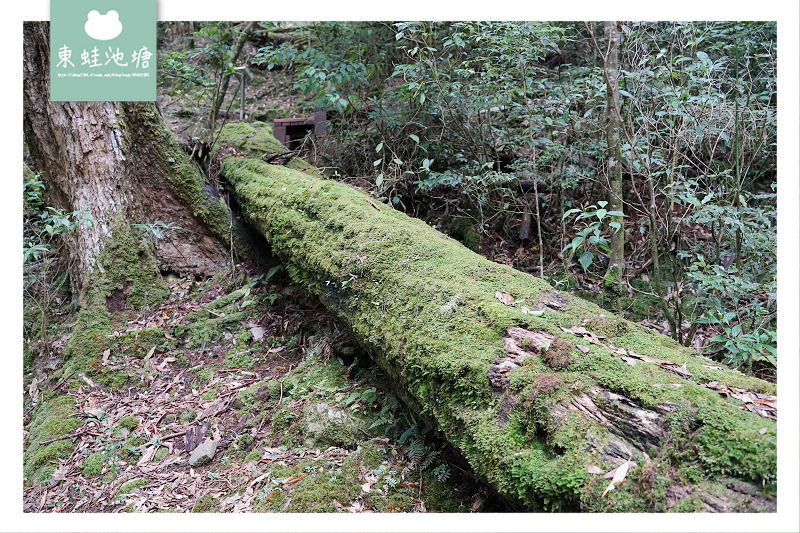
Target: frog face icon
<point>103,27</point>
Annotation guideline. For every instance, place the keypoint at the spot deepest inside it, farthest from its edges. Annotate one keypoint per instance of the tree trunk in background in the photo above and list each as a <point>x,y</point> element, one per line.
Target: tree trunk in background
<point>538,389</point>
<point>612,282</point>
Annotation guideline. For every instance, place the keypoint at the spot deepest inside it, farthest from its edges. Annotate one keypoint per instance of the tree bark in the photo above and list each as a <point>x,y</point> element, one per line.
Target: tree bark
<point>612,281</point>
<point>120,162</point>
<point>537,388</point>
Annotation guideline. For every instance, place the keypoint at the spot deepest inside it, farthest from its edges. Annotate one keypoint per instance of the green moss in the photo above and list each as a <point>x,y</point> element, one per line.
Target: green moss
<point>371,456</point>
<point>188,416</point>
<point>209,395</point>
<point>91,332</point>
<point>256,140</point>
<point>161,453</point>
<point>127,272</point>
<point>239,358</point>
<point>255,397</point>
<point>129,422</point>
<point>93,465</point>
<point>206,504</point>
<point>205,375</point>
<point>462,230</point>
<point>132,485</point>
<point>186,178</point>
<point>254,455</point>
<point>51,420</point>
<point>732,445</point>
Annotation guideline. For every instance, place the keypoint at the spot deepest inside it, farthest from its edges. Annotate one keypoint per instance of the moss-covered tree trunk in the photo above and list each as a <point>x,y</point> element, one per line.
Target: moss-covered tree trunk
<point>613,284</point>
<point>119,161</point>
<point>538,389</point>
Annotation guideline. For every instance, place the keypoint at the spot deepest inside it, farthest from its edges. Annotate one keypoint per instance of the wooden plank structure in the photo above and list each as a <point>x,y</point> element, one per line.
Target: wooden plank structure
<point>292,131</point>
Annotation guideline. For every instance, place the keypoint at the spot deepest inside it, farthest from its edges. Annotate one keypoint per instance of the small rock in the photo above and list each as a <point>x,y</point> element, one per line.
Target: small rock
<point>203,453</point>
<point>324,425</point>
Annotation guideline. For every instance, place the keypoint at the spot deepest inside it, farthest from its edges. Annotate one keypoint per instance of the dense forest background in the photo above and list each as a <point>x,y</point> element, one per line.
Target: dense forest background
<point>500,134</point>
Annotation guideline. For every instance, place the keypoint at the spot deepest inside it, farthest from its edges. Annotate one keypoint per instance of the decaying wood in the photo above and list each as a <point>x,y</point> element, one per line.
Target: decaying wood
<point>537,388</point>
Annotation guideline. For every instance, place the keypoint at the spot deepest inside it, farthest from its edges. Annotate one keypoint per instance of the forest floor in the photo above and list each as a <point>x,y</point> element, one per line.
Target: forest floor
<point>301,421</point>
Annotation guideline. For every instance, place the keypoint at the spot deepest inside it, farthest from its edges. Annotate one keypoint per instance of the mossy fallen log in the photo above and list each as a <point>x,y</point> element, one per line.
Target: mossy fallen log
<point>541,391</point>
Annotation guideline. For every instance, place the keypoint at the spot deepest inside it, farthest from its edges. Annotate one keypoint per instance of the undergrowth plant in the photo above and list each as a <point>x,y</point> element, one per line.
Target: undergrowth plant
<point>44,281</point>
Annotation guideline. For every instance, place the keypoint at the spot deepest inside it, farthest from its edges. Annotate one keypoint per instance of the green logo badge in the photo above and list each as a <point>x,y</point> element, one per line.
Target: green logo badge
<point>102,50</point>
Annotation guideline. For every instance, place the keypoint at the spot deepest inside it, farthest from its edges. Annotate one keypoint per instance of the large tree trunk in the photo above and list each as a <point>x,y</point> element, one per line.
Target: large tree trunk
<point>121,162</point>
<point>537,388</point>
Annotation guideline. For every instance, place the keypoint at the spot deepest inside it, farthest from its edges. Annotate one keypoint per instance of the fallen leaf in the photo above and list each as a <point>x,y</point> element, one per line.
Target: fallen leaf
<point>258,333</point>
<point>150,353</point>
<point>33,390</point>
<point>147,456</point>
<point>584,349</point>
<point>504,297</point>
<point>619,474</point>
<point>60,473</point>
<point>476,504</point>
<point>105,356</point>
<point>631,361</point>
<point>762,431</point>
<point>594,469</point>
<point>276,350</point>
<point>524,310</point>
<point>295,479</point>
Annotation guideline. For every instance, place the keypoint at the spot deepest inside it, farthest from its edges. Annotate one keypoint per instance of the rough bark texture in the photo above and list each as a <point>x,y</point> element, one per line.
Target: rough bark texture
<point>612,281</point>
<point>537,388</point>
<point>120,161</point>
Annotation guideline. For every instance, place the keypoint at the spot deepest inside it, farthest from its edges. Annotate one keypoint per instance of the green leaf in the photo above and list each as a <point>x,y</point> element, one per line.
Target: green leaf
<point>586,260</point>
<point>379,180</point>
<point>410,431</point>
<point>353,397</point>
<point>271,272</point>
<point>379,147</point>
<point>369,395</point>
<point>414,138</point>
<point>377,162</point>
<point>422,98</point>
